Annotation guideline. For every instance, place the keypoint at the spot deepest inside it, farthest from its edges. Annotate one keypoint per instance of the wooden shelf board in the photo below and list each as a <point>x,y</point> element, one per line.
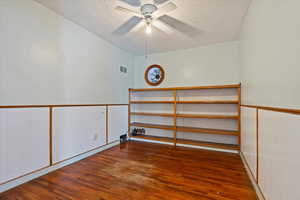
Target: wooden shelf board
<point>188,102</point>
<point>186,88</point>
<point>207,116</point>
<point>155,126</point>
<point>199,116</point>
<point>155,138</point>
<point>151,102</point>
<point>153,114</point>
<point>207,130</point>
<point>209,102</point>
<point>208,144</point>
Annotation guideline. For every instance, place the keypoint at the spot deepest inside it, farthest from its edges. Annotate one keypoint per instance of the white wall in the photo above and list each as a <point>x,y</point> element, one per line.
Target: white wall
<point>271,151</point>
<point>46,59</point>
<point>249,138</point>
<point>278,155</point>
<point>24,141</point>
<point>77,130</point>
<point>117,122</point>
<point>270,49</point>
<point>207,65</point>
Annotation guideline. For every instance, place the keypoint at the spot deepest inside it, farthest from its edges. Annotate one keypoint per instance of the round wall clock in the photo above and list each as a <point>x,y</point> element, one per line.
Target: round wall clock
<point>154,75</point>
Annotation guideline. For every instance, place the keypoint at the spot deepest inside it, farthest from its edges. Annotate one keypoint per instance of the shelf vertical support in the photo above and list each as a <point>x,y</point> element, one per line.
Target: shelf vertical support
<point>129,112</point>
<point>175,117</point>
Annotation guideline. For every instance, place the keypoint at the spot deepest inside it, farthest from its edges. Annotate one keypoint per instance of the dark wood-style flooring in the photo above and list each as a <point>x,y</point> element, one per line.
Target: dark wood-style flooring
<point>143,171</point>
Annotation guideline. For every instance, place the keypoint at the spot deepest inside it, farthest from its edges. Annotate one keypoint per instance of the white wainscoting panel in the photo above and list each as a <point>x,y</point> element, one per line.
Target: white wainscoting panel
<point>279,163</point>
<point>249,138</point>
<point>24,141</point>
<point>117,122</point>
<point>77,130</point>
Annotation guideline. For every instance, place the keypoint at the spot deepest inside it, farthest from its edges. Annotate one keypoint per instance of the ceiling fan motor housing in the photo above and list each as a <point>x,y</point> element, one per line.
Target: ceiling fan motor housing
<point>148,9</point>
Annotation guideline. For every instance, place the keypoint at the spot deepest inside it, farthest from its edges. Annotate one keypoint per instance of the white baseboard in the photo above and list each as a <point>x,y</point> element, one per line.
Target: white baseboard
<point>257,189</point>
<point>151,141</point>
<point>185,145</point>
<point>207,148</point>
<point>47,170</point>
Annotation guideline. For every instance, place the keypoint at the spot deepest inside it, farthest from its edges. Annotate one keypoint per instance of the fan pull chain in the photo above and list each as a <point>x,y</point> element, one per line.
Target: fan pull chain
<point>146,48</point>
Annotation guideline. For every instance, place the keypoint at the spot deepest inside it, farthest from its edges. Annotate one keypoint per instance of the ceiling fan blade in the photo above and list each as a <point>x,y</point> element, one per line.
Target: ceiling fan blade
<point>162,26</point>
<point>180,26</point>
<point>126,10</point>
<point>158,2</point>
<point>135,3</point>
<point>139,26</point>
<point>169,7</point>
<point>128,26</point>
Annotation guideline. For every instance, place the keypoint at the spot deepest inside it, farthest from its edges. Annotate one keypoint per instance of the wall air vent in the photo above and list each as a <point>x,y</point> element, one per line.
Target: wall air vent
<point>123,69</point>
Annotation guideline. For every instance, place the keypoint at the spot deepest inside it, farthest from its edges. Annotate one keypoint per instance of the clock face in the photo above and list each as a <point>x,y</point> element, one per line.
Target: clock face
<point>154,75</point>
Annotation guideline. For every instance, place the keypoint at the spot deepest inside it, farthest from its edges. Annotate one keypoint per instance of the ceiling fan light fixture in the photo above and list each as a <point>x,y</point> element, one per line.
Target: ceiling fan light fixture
<point>148,29</point>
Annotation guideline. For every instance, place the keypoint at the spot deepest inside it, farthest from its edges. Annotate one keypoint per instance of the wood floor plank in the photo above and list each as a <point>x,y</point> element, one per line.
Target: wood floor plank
<point>143,171</point>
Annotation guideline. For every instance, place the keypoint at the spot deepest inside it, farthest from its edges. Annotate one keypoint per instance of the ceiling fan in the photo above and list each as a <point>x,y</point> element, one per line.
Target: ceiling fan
<point>153,13</point>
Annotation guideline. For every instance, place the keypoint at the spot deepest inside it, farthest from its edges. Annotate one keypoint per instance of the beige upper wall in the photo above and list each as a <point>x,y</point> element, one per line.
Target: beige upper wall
<point>46,59</point>
<point>270,60</point>
<point>206,65</point>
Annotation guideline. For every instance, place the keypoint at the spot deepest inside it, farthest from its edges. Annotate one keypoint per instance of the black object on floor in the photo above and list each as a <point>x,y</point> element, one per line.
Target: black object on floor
<point>123,138</point>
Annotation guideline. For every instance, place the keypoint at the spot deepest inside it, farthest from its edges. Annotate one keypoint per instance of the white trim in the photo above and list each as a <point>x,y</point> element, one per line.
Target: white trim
<point>208,148</point>
<point>47,170</point>
<point>186,145</point>
<point>257,189</point>
<point>151,141</point>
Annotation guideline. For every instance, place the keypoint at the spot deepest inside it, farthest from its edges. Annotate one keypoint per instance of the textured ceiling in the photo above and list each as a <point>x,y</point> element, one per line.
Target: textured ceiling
<point>218,20</point>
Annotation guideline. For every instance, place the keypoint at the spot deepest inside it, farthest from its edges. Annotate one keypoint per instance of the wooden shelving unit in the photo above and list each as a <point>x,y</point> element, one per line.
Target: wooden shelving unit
<point>175,101</point>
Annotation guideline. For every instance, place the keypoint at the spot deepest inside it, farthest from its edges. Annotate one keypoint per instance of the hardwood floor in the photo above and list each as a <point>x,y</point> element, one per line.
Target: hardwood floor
<point>143,171</point>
